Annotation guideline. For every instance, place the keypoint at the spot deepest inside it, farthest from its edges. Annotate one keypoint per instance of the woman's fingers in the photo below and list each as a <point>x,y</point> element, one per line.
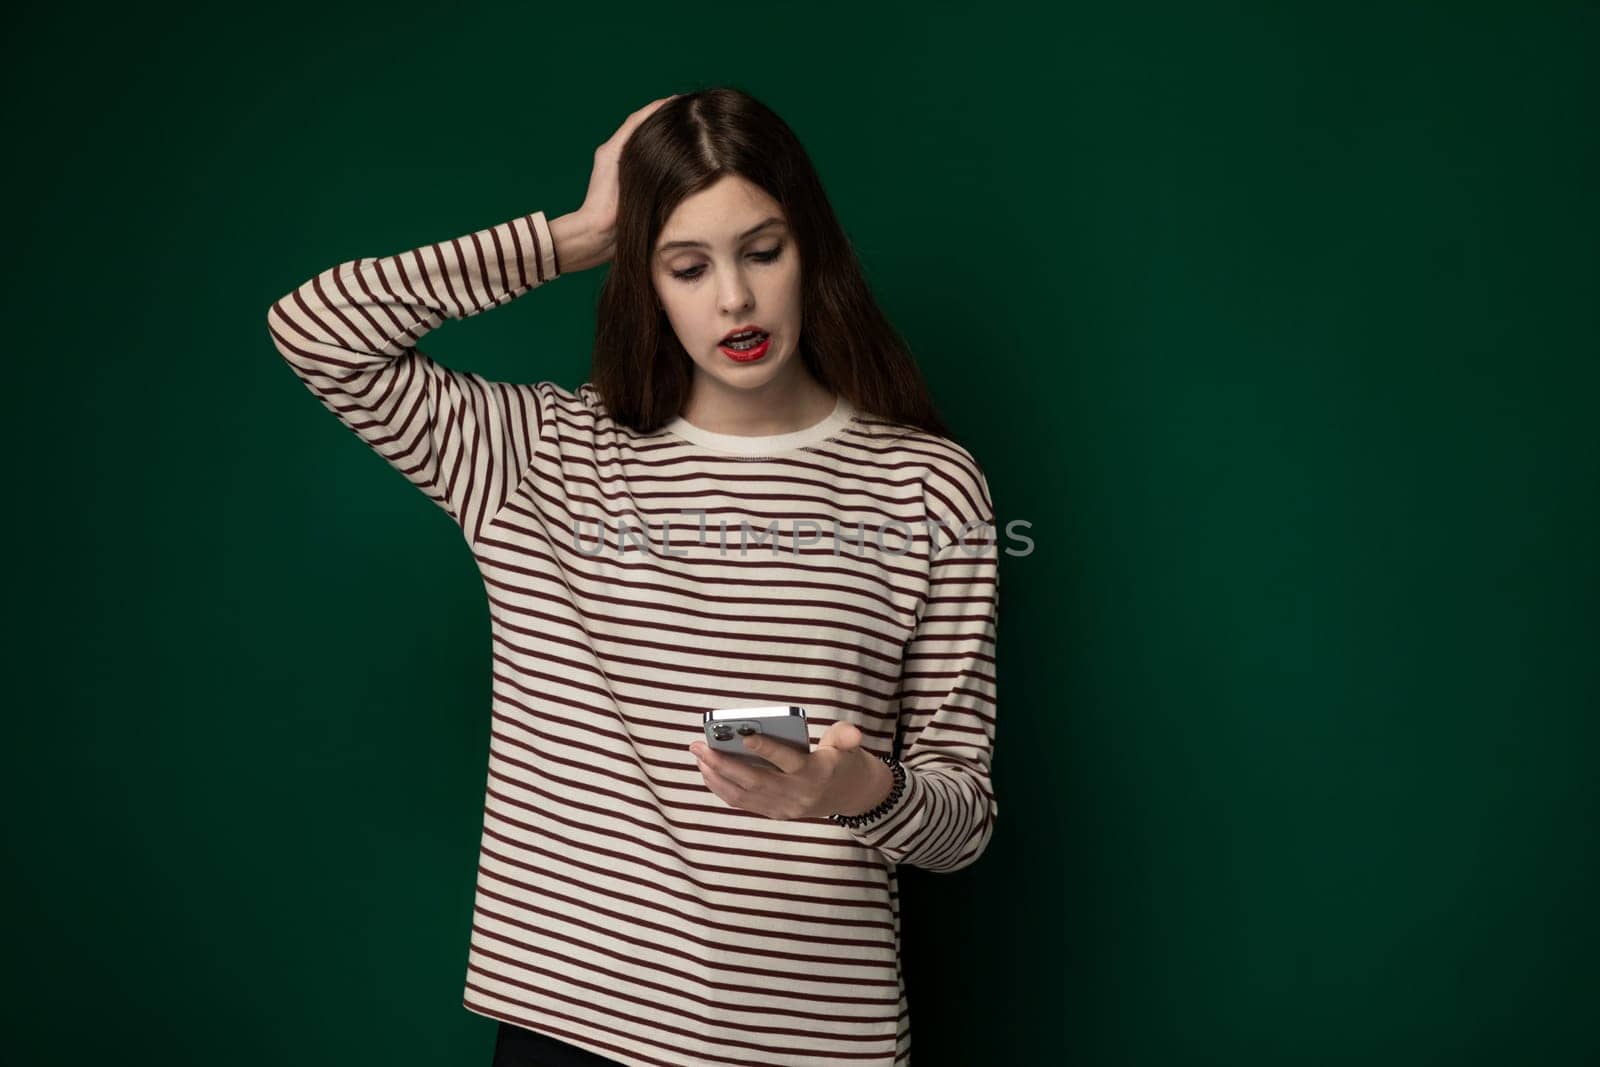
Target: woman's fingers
<point>599,208</point>
<point>727,770</point>
<point>782,756</point>
<point>631,123</point>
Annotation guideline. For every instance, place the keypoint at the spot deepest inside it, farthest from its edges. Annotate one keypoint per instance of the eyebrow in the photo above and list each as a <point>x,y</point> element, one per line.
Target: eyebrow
<point>757,228</point>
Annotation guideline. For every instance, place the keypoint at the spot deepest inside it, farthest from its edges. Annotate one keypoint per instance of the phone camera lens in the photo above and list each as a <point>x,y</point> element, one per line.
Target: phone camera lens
<point>745,729</point>
<point>722,733</point>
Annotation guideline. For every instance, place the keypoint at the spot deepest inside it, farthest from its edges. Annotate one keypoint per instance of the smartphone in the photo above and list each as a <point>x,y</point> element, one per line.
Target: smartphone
<point>726,729</point>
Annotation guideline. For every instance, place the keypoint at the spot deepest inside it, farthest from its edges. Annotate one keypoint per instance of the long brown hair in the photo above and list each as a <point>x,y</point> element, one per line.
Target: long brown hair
<point>687,144</point>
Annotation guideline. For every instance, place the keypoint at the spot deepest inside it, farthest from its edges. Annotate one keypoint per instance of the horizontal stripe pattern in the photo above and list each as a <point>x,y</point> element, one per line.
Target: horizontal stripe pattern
<point>350,335</point>
<point>622,906</point>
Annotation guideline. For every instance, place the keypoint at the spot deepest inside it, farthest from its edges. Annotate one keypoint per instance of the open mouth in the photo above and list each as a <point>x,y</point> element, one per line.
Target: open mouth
<point>744,340</point>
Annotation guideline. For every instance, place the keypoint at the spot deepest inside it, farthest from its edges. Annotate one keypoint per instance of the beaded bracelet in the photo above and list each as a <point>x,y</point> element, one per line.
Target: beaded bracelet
<point>888,802</point>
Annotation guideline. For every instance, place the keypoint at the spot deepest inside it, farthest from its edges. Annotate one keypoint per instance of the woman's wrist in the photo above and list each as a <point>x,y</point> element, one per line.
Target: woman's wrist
<point>889,801</point>
<point>579,245</point>
<point>875,781</point>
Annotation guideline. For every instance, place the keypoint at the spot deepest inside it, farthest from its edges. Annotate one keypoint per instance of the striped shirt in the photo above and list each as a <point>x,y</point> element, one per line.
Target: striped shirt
<point>634,581</point>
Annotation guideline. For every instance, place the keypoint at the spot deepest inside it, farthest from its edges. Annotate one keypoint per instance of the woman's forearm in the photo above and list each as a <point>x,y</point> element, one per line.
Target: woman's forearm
<point>579,244</point>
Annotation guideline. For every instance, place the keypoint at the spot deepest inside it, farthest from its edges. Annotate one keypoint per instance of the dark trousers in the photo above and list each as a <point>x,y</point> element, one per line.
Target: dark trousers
<point>519,1047</point>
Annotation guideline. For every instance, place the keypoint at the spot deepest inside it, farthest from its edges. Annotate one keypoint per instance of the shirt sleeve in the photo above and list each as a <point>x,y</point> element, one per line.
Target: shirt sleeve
<point>350,334</point>
<point>946,731</point>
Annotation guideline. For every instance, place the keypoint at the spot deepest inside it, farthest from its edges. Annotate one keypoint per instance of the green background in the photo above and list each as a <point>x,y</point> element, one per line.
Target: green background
<point>1277,324</point>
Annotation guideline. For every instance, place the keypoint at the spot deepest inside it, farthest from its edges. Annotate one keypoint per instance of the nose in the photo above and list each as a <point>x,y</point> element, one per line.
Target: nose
<point>735,294</point>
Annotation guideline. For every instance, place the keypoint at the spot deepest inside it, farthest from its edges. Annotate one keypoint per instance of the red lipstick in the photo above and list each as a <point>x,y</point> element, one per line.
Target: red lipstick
<point>750,354</point>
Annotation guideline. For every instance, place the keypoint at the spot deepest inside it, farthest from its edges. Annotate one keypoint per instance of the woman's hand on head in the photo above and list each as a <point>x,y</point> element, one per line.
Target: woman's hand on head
<point>587,237</point>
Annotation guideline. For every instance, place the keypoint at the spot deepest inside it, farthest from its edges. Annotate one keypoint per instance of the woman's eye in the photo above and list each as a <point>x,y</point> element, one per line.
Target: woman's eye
<point>691,273</point>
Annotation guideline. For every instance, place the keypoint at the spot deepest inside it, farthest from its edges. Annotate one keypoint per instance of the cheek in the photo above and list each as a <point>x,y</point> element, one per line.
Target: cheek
<point>666,300</point>
<point>679,313</point>
<point>786,293</point>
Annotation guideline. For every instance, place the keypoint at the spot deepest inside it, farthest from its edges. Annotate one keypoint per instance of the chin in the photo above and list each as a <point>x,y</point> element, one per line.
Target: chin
<point>749,376</point>
<point>751,379</point>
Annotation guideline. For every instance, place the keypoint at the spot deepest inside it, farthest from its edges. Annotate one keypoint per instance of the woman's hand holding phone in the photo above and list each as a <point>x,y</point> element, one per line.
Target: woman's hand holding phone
<point>837,776</point>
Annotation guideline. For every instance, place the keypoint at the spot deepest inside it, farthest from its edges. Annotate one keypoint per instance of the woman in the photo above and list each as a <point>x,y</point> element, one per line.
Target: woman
<point>751,502</point>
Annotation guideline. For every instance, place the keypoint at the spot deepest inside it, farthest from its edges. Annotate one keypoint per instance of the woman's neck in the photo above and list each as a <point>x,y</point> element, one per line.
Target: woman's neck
<point>746,413</point>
